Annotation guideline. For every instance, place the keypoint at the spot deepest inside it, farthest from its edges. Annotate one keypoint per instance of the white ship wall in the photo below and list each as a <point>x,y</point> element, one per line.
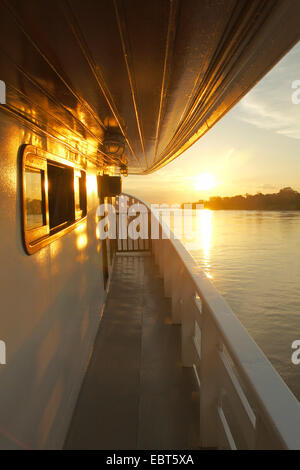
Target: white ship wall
<point>51,303</point>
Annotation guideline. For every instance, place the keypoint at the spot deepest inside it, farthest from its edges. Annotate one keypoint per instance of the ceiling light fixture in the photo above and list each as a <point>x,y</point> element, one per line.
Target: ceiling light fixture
<point>114,143</point>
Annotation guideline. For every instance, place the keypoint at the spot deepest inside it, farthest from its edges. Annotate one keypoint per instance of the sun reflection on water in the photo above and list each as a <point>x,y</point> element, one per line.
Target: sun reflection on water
<point>204,237</point>
<point>205,231</point>
<point>195,230</point>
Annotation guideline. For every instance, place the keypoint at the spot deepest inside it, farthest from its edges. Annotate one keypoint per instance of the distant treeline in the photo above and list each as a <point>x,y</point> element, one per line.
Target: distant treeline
<point>285,199</point>
<point>34,206</point>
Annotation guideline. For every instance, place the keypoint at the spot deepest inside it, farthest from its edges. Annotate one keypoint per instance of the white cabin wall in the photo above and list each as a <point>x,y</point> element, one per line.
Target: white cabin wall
<point>51,303</point>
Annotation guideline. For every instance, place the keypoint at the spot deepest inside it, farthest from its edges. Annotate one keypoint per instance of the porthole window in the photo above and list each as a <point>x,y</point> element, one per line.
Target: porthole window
<point>54,198</point>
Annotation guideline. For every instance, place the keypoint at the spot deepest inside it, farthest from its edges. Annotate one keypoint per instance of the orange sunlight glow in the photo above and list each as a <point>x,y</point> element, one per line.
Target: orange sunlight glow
<point>204,182</point>
<point>91,184</point>
<point>81,241</point>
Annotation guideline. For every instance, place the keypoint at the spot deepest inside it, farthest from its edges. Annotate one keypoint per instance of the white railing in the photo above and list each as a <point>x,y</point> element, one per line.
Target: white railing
<point>244,403</point>
<point>124,243</point>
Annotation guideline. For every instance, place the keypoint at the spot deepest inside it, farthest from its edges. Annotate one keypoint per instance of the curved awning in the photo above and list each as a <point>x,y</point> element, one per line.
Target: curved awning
<point>162,71</point>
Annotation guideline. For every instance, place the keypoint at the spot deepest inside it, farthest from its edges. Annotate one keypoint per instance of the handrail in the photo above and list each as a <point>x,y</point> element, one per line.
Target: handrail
<point>270,413</point>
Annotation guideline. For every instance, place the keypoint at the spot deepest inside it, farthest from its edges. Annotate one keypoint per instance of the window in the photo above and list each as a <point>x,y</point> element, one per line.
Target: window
<point>54,198</point>
<point>80,193</point>
<point>60,195</point>
<point>35,214</point>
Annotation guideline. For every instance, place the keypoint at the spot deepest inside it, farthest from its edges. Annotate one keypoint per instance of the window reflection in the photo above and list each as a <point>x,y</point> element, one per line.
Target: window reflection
<point>34,198</point>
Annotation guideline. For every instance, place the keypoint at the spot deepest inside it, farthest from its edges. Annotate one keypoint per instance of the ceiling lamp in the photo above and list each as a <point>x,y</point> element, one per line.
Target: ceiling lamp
<point>114,143</point>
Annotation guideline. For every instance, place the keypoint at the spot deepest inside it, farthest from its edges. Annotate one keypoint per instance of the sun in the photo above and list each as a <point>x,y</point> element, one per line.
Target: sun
<point>204,182</point>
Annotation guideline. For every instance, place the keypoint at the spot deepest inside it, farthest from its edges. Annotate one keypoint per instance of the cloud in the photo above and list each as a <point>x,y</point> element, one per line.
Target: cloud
<point>269,105</point>
<point>283,120</point>
<point>268,187</point>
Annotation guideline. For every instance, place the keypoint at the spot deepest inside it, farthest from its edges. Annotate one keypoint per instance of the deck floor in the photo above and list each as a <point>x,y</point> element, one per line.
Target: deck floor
<point>136,394</point>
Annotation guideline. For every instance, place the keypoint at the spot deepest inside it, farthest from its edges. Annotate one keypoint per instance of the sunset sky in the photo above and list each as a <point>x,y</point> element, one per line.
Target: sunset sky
<point>254,148</point>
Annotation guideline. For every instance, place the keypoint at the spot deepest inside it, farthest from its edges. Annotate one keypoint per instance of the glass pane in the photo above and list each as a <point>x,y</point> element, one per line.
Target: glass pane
<point>34,198</point>
<point>60,195</point>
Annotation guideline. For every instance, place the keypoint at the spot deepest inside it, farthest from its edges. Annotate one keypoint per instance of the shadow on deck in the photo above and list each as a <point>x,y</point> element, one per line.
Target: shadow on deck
<point>136,394</point>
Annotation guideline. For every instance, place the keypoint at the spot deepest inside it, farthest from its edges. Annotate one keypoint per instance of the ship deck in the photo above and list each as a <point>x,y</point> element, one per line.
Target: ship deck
<point>136,394</point>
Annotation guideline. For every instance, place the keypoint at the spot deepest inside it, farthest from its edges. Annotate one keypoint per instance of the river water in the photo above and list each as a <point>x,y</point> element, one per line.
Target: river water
<point>253,259</point>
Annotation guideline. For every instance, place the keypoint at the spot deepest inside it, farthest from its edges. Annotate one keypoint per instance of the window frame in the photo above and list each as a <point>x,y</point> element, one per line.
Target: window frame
<point>35,239</point>
<point>80,213</point>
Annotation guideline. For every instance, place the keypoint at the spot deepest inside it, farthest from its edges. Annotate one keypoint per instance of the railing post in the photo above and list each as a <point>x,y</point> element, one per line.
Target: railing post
<point>187,322</point>
<point>209,380</point>
<point>153,249</point>
<point>156,251</point>
<point>176,290</point>
<point>160,257</point>
<point>168,268</point>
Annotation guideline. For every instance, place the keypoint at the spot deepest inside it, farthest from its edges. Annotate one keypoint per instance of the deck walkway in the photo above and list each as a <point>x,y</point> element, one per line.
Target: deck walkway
<point>136,394</point>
